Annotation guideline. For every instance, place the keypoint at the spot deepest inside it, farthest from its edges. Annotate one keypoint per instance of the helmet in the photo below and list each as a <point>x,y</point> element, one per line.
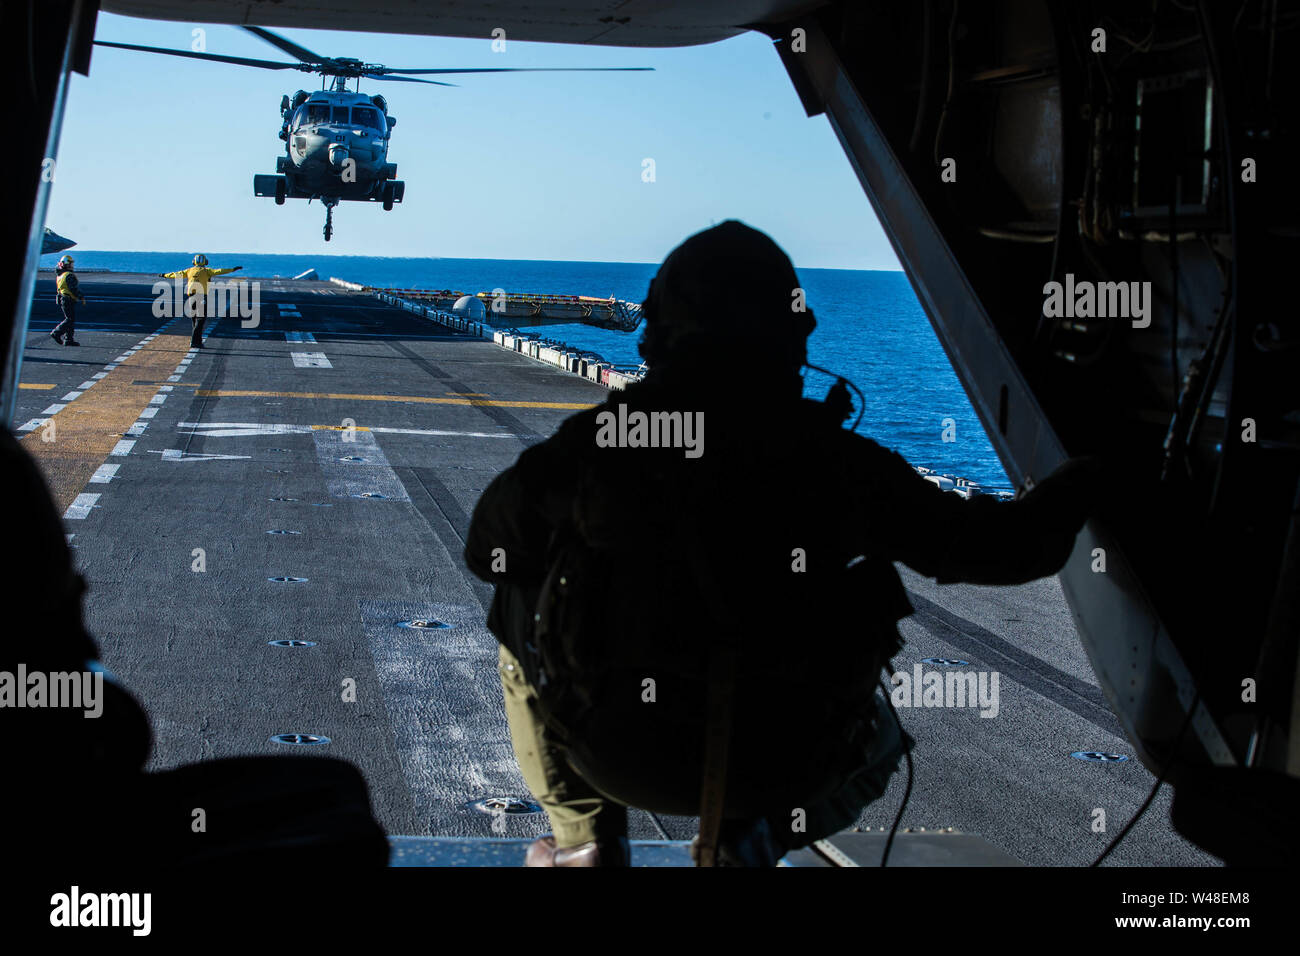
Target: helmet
<point>726,284</point>
<point>65,263</point>
<point>200,260</point>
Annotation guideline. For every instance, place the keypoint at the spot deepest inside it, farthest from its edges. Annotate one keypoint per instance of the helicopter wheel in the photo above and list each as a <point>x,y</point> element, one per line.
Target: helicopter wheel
<point>329,222</point>
<point>387,196</point>
<point>281,191</point>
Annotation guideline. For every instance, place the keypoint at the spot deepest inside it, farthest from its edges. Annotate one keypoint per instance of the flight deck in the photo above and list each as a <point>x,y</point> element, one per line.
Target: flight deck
<point>271,528</point>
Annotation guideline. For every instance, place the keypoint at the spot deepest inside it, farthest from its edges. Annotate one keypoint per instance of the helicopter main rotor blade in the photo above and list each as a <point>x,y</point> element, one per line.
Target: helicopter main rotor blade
<point>404,79</point>
<point>220,58</point>
<point>288,46</point>
<point>533,69</point>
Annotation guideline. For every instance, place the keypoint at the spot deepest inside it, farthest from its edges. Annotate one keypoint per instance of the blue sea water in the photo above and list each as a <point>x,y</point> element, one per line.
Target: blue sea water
<point>870,329</point>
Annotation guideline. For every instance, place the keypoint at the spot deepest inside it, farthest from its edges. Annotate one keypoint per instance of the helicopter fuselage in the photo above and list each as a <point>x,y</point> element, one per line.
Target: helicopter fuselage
<point>336,146</point>
<point>335,140</point>
<point>335,149</point>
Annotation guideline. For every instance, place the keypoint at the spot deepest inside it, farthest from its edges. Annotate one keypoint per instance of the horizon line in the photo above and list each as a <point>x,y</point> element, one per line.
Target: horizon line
<point>614,262</point>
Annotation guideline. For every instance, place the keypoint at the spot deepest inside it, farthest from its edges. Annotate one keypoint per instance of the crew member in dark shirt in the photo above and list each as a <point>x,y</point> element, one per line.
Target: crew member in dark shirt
<point>757,516</point>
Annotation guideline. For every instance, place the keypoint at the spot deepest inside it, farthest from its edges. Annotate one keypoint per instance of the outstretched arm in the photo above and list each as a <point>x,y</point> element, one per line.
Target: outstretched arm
<point>221,272</point>
<point>982,540</point>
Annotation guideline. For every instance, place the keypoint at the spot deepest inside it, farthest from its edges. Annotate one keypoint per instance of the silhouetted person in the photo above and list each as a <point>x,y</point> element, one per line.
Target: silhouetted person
<point>736,587</point>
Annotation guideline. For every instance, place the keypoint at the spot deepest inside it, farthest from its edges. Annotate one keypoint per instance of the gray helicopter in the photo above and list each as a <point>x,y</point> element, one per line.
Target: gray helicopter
<point>336,139</point>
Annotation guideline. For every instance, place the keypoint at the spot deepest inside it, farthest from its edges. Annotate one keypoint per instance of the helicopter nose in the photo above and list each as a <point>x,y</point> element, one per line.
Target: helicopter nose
<point>338,155</point>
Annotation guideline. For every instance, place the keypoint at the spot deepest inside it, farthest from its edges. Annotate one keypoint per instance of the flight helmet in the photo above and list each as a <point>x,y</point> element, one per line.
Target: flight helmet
<point>722,287</point>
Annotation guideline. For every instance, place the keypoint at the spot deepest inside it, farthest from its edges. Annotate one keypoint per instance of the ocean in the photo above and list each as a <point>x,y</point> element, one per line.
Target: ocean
<point>870,329</point>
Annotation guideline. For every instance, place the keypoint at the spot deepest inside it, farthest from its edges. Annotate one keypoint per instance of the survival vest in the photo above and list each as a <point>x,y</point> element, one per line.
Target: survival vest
<point>67,285</point>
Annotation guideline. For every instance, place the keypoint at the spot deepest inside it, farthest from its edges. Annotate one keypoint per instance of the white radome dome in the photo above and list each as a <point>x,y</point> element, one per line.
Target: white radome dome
<point>469,307</point>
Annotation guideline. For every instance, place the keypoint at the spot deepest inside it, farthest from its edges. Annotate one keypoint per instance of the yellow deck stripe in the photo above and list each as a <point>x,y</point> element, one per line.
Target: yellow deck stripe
<point>422,399</point>
<point>32,385</point>
<point>89,429</point>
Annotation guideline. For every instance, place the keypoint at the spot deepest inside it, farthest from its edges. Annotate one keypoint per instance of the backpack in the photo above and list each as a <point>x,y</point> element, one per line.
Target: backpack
<point>628,693</point>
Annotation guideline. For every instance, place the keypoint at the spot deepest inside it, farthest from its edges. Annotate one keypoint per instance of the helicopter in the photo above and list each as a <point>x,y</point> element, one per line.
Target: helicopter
<point>336,139</point>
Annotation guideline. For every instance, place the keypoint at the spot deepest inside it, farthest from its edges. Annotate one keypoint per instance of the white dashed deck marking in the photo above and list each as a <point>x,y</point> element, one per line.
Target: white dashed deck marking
<point>310,360</point>
<point>81,507</point>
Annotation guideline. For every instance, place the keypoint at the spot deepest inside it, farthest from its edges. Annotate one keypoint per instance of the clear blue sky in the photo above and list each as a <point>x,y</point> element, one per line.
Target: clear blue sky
<point>158,153</point>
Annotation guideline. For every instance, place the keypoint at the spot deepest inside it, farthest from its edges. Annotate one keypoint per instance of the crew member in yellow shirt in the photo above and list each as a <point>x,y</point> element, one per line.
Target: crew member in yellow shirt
<point>67,294</point>
<point>196,289</point>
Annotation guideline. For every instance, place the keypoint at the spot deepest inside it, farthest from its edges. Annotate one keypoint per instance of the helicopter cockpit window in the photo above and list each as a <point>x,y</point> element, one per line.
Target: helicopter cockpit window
<point>314,113</point>
<point>365,116</point>
<point>340,114</point>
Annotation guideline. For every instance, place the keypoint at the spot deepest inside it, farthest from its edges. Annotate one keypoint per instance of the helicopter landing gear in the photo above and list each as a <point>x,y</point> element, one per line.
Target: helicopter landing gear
<point>387,196</point>
<point>329,216</point>
<point>281,190</point>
